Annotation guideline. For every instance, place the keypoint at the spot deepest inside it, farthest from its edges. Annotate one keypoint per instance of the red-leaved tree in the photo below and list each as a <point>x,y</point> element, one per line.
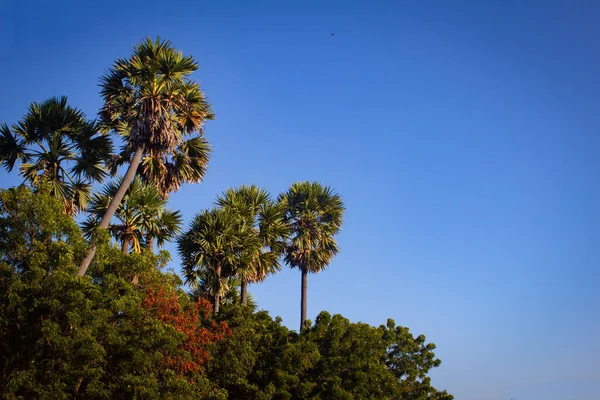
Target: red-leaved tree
<point>191,319</point>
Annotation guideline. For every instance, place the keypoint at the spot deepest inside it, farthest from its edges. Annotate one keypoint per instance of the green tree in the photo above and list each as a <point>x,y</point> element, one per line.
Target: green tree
<point>142,216</point>
<point>410,358</point>
<point>253,207</point>
<point>211,249</point>
<point>332,359</point>
<point>261,359</point>
<point>99,337</point>
<point>58,146</point>
<point>314,213</point>
<point>352,361</point>
<point>359,361</point>
<point>150,99</point>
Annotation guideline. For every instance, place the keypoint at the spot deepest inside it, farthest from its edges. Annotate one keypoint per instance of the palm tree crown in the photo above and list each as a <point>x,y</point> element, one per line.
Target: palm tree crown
<point>150,100</point>
<point>57,146</point>
<point>212,248</point>
<point>253,207</point>
<point>142,216</point>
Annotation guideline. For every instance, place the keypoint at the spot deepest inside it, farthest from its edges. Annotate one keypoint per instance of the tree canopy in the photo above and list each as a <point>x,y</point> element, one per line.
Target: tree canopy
<point>98,337</point>
<point>102,336</point>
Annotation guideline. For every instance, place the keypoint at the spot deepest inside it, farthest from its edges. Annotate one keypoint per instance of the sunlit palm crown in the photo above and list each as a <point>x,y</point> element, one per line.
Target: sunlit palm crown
<point>314,213</point>
<point>57,145</point>
<point>141,214</point>
<point>253,207</point>
<point>215,239</point>
<point>150,99</point>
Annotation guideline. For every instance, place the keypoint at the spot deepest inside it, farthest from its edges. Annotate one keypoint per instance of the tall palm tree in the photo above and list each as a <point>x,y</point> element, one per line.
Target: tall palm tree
<point>141,216</point>
<point>254,207</point>
<point>57,146</point>
<point>150,99</point>
<point>314,213</point>
<point>211,249</point>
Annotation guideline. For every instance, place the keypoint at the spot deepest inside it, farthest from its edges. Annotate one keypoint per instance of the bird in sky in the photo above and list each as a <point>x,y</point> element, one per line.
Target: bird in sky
<point>332,34</point>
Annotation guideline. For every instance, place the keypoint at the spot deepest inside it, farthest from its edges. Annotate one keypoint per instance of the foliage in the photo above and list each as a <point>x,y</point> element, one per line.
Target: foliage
<point>332,359</point>
<point>101,336</point>
<point>186,317</point>
<point>212,249</point>
<point>230,296</point>
<point>58,146</point>
<point>315,215</point>
<point>252,207</point>
<point>242,239</point>
<point>142,215</point>
<point>151,101</point>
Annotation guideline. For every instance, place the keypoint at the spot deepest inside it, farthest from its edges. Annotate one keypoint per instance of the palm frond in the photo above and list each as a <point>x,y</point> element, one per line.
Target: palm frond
<point>12,148</point>
<point>59,146</point>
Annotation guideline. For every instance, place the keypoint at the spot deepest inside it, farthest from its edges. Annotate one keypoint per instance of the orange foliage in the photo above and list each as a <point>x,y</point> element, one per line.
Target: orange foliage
<point>189,320</point>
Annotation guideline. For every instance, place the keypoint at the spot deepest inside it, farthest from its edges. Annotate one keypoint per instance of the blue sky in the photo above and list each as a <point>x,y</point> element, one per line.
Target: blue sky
<point>463,137</point>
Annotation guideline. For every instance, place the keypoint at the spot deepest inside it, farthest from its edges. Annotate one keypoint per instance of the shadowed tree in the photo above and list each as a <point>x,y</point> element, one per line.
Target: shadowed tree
<point>151,101</point>
<point>57,145</point>
<point>314,213</point>
<point>142,216</point>
<point>253,207</point>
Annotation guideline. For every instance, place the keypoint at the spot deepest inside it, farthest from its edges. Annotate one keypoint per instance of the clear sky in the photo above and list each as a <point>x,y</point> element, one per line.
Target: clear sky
<point>463,136</point>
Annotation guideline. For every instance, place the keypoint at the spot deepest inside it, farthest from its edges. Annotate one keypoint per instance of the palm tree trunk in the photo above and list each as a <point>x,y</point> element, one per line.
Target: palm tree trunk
<point>125,247</point>
<point>112,207</point>
<point>303,298</point>
<point>150,243</point>
<point>244,292</point>
<point>216,302</point>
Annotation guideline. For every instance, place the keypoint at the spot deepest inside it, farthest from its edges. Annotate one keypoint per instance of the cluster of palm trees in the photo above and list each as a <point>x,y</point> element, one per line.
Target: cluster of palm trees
<point>158,111</point>
<point>247,235</point>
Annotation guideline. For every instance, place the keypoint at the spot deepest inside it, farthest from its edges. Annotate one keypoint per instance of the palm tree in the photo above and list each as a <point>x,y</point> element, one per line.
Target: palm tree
<point>151,101</point>
<point>58,147</point>
<point>141,216</point>
<point>253,207</point>
<point>211,249</point>
<point>314,213</point>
